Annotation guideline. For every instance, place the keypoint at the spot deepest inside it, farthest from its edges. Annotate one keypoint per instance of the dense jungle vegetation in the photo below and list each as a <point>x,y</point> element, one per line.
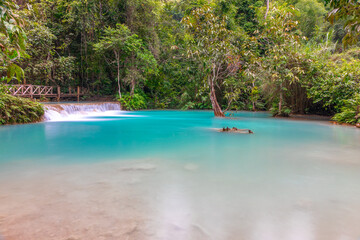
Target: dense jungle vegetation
<point>286,56</point>
<point>16,110</point>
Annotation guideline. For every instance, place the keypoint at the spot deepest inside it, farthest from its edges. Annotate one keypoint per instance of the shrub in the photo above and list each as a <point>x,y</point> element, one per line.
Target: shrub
<point>350,112</point>
<point>285,111</point>
<point>346,116</point>
<point>15,110</point>
<point>134,102</point>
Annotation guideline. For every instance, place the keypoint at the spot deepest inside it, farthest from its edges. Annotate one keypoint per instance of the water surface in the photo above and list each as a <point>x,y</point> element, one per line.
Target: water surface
<point>171,175</point>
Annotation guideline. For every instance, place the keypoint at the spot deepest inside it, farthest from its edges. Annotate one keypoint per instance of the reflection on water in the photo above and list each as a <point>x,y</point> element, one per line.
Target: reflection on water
<point>168,175</point>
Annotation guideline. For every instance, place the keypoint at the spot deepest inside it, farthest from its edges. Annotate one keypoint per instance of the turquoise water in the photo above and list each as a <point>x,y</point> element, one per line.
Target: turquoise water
<point>301,174</point>
<point>169,134</point>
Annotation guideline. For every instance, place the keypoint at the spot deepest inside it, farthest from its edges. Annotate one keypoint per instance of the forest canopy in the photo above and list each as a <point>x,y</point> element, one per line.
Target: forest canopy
<point>286,56</point>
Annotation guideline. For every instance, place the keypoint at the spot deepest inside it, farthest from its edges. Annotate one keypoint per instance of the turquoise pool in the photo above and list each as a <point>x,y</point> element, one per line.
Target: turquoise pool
<point>171,175</point>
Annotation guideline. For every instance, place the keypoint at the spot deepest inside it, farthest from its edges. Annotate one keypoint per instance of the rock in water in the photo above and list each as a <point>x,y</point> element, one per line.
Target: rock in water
<point>236,130</point>
<point>358,125</point>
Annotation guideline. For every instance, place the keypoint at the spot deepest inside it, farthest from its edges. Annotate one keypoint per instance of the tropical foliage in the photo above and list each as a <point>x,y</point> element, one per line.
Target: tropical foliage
<point>12,40</point>
<point>303,57</point>
<point>132,59</point>
<point>210,44</point>
<point>19,110</point>
<point>348,10</point>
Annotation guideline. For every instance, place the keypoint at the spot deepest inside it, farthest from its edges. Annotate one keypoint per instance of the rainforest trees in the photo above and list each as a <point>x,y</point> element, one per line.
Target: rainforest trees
<point>210,42</point>
<point>127,52</point>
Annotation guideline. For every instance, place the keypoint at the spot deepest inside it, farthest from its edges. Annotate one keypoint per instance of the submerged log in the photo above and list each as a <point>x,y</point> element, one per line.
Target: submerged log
<point>236,130</point>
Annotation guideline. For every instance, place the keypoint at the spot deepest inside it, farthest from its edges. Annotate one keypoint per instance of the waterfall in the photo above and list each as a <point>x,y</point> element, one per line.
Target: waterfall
<point>61,112</point>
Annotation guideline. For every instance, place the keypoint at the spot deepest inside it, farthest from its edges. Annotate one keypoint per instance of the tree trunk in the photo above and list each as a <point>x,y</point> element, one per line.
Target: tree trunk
<point>215,105</point>
<point>132,87</point>
<point>117,55</point>
<point>253,102</point>
<point>280,102</point>
<point>118,78</point>
<point>133,80</point>
<point>267,8</point>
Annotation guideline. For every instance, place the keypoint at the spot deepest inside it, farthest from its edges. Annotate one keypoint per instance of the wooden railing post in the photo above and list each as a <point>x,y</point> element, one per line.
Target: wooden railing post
<point>78,93</point>
<point>31,91</point>
<point>58,93</point>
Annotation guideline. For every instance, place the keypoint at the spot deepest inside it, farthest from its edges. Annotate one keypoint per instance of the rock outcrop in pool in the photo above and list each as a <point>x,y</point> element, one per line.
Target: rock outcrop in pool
<point>236,130</point>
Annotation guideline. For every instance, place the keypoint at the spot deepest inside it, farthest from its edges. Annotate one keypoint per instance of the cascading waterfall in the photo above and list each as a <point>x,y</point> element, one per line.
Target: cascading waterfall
<point>59,112</point>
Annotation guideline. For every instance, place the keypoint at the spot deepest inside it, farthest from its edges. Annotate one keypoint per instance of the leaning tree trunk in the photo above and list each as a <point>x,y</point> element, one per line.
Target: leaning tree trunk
<point>215,105</point>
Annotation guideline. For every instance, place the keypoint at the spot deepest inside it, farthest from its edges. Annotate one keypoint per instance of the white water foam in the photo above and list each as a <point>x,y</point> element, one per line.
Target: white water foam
<point>79,112</point>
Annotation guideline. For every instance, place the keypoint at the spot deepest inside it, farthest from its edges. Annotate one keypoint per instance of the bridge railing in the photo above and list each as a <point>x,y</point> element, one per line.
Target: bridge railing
<point>31,90</point>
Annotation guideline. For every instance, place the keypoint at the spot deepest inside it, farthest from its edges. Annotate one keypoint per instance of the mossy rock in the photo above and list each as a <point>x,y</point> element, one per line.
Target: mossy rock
<point>15,110</point>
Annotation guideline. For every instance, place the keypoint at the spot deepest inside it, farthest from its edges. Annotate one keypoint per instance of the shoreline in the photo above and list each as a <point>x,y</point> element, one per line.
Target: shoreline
<point>292,117</point>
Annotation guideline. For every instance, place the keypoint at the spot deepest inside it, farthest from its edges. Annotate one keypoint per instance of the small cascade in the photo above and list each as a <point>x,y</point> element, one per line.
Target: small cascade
<point>61,112</point>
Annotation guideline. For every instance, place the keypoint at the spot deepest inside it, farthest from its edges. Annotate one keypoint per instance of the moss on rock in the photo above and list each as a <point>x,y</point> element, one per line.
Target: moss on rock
<point>15,110</point>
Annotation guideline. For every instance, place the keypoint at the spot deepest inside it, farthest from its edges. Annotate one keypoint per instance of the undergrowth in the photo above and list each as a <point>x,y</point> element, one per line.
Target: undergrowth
<point>14,110</point>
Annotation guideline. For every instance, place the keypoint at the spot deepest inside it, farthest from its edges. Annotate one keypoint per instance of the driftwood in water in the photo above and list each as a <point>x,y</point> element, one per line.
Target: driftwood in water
<point>236,130</point>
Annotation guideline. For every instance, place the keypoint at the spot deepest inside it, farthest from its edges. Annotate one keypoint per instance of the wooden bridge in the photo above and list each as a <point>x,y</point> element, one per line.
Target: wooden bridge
<point>38,91</point>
